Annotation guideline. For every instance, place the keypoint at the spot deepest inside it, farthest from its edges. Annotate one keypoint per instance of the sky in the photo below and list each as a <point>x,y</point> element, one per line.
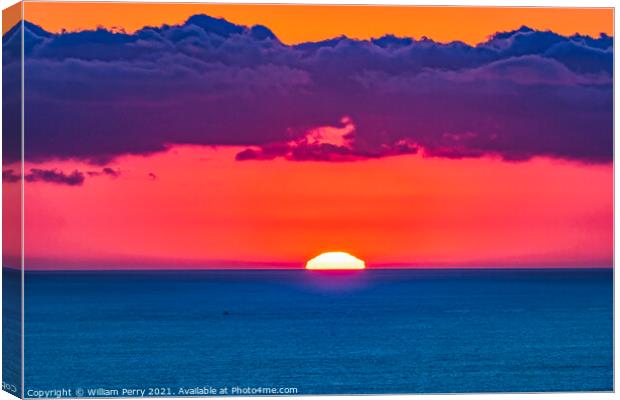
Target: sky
<point>411,142</point>
<point>302,23</point>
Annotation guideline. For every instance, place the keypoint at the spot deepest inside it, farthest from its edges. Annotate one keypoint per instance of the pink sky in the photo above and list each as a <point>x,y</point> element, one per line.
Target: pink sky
<point>207,210</point>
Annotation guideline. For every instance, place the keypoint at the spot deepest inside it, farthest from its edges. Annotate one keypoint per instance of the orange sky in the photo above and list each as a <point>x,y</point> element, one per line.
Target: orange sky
<point>11,16</point>
<point>206,207</point>
<point>299,23</point>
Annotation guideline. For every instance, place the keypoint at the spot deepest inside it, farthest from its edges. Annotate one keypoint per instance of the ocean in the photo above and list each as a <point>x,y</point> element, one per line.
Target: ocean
<point>310,332</point>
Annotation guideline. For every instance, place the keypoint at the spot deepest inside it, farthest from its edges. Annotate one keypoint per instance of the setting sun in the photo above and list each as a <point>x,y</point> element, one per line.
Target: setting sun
<point>335,260</point>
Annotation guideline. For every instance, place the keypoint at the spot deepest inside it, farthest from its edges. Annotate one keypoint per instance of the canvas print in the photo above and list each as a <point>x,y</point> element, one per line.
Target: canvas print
<point>233,199</point>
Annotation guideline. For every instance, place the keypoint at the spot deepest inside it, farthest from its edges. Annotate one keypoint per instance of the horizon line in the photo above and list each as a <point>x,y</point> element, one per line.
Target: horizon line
<point>427,268</point>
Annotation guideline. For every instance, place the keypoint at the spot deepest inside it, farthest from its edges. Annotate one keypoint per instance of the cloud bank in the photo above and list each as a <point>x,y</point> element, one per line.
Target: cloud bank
<point>96,95</point>
<point>75,178</point>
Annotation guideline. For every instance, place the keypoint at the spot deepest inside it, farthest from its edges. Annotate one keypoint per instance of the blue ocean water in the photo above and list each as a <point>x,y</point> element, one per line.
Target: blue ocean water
<point>372,331</point>
<point>11,331</point>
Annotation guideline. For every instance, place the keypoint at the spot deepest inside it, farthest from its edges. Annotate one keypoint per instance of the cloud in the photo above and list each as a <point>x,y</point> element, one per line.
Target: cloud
<point>76,178</point>
<point>114,173</point>
<point>521,94</point>
<point>326,143</point>
<point>10,176</point>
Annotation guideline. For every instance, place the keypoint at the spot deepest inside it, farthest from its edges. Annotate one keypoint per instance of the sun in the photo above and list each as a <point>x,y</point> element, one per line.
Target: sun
<point>335,260</point>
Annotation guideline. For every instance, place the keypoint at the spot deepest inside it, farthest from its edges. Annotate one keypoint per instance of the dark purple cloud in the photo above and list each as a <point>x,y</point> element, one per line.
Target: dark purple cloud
<point>75,178</point>
<point>113,173</point>
<point>10,176</point>
<point>95,95</point>
<point>328,143</point>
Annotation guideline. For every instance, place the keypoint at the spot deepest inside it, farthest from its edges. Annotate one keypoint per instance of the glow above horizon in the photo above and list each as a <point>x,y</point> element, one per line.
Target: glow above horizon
<point>335,260</point>
<point>390,212</point>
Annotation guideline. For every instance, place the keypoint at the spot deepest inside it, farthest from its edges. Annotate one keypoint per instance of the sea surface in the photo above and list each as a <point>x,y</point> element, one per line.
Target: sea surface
<point>372,331</point>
